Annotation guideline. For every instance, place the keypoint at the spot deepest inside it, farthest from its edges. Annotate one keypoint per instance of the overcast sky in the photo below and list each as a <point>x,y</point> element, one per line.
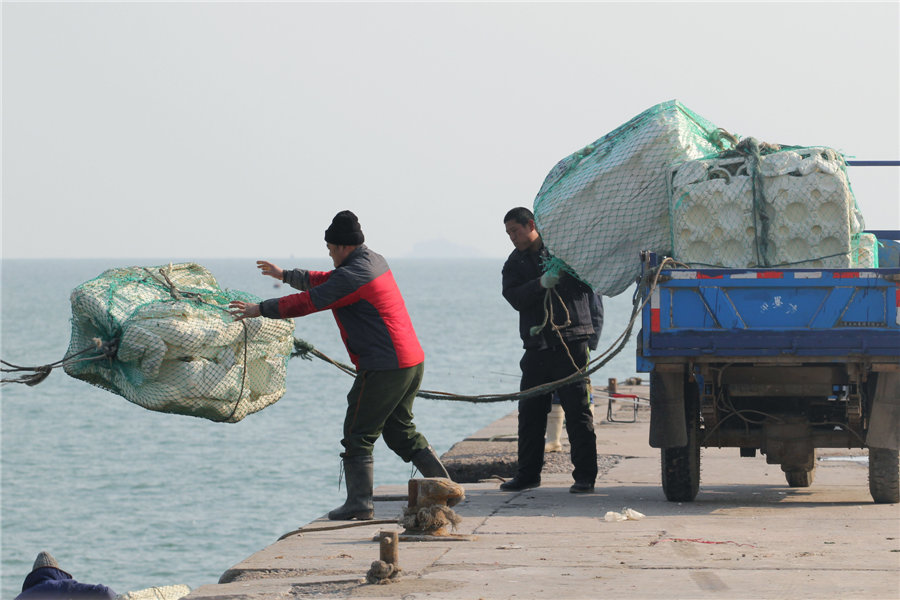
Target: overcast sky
<point>175,130</point>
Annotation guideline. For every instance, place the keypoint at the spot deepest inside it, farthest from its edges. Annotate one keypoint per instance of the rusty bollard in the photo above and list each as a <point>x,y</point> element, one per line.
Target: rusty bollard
<point>390,551</point>
<point>387,568</point>
<point>613,386</point>
<point>428,515</point>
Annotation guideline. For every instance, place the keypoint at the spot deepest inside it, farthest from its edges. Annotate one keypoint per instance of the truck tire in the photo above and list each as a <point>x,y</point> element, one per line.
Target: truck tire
<point>681,465</point>
<point>884,475</point>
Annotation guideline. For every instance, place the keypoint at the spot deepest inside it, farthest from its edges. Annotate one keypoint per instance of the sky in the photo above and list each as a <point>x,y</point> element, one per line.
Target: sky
<point>218,130</point>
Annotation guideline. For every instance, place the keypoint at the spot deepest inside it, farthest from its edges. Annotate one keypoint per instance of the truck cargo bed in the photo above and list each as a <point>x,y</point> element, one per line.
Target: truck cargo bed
<point>771,312</point>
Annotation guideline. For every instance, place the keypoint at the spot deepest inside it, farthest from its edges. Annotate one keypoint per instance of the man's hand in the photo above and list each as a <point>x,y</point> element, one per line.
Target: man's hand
<point>549,279</point>
<point>270,269</point>
<point>243,310</point>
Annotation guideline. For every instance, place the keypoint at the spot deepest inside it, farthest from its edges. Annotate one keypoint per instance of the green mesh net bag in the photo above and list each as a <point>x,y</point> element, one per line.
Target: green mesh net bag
<point>864,251</point>
<point>762,206</point>
<point>599,207</point>
<point>163,339</point>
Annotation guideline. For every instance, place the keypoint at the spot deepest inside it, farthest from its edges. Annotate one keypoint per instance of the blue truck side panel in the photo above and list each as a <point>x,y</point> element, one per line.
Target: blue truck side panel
<point>766,312</point>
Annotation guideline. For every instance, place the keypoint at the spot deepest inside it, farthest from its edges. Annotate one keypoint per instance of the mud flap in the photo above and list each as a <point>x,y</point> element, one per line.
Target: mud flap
<point>668,428</point>
<point>884,422</point>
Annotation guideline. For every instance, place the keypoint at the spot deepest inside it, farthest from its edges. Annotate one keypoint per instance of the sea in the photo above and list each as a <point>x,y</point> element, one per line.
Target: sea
<point>131,498</point>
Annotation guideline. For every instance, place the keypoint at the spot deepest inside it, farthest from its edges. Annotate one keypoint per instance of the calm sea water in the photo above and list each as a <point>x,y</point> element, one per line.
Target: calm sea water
<point>133,498</point>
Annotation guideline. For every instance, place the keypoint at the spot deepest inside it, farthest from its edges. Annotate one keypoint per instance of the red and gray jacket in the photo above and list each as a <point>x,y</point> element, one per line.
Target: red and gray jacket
<point>367,305</point>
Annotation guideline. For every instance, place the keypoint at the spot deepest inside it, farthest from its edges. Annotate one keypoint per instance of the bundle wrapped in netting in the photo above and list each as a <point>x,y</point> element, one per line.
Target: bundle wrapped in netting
<point>768,206</point>
<point>170,345</point>
<point>599,207</point>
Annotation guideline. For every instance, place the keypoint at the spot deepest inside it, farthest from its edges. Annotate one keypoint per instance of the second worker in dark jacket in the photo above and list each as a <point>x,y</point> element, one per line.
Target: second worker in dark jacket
<point>554,353</point>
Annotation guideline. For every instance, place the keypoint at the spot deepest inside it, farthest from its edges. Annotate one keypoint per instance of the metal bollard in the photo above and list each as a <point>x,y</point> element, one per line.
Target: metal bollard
<point>386,569</point>
<point>389,549</point>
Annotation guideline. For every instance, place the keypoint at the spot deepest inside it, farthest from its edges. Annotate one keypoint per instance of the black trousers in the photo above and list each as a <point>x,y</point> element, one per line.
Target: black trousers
<point>544,366</point>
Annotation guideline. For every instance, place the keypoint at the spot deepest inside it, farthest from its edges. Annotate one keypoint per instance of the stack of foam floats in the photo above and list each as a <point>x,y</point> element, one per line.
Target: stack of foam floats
<point>790,207</point>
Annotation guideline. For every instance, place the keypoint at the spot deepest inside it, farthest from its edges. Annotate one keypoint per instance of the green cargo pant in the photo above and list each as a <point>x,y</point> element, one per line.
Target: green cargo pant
<point>380,403</point>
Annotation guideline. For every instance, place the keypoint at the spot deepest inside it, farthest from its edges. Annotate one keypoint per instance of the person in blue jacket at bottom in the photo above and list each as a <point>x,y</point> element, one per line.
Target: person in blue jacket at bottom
<point>48,581</point>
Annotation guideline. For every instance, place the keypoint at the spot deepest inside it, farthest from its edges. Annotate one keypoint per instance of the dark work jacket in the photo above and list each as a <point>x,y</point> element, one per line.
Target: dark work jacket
<point>50,583</point>
<point>596,321</point>
<point>367,305</point>
<point>522,289</point>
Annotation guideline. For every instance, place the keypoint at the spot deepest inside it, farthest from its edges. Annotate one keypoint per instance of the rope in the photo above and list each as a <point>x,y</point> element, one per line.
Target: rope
<point>106,349</point>
<point>548,314</point>
<point>554,265</point>
<point>305,350</point>
<point>718,138</point>
<point>750,147</point>
<point>243,381</point>
<point>648,283</point>
<point>303,530</point>
<point>696,265</point>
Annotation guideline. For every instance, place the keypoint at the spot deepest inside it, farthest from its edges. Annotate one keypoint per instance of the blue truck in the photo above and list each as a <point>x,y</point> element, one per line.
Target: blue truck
<point>776,361</point>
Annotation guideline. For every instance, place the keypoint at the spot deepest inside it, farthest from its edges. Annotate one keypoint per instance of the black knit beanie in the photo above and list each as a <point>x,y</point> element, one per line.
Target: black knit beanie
<point>345,230</point>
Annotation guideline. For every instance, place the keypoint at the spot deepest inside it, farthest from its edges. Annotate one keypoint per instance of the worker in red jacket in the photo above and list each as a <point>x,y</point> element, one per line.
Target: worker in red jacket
<point>379,337</point>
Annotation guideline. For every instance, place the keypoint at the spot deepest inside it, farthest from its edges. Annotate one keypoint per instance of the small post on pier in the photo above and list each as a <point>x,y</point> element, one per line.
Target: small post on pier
<point>390,552</point>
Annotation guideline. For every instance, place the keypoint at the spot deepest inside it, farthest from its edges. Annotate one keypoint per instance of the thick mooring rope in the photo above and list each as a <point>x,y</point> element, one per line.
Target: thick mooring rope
<point>642,295</point>
<point>104,349</point>
<point>305,350</point>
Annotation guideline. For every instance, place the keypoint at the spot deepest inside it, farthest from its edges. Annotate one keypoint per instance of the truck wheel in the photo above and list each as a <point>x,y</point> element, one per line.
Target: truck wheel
<point>681,465</point>
<point>884,475</point>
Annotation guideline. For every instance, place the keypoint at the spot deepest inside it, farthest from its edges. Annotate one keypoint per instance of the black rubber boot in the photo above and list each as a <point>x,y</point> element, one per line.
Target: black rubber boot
<point>428,463</point>
<point>360,477</point>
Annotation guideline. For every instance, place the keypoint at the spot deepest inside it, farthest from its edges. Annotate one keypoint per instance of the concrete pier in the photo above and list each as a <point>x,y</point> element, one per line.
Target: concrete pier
<point>747,535</point>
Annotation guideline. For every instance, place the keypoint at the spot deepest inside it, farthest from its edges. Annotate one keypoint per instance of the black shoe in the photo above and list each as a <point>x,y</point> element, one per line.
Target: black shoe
<point>517,484</point>
<point>581,487</point>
